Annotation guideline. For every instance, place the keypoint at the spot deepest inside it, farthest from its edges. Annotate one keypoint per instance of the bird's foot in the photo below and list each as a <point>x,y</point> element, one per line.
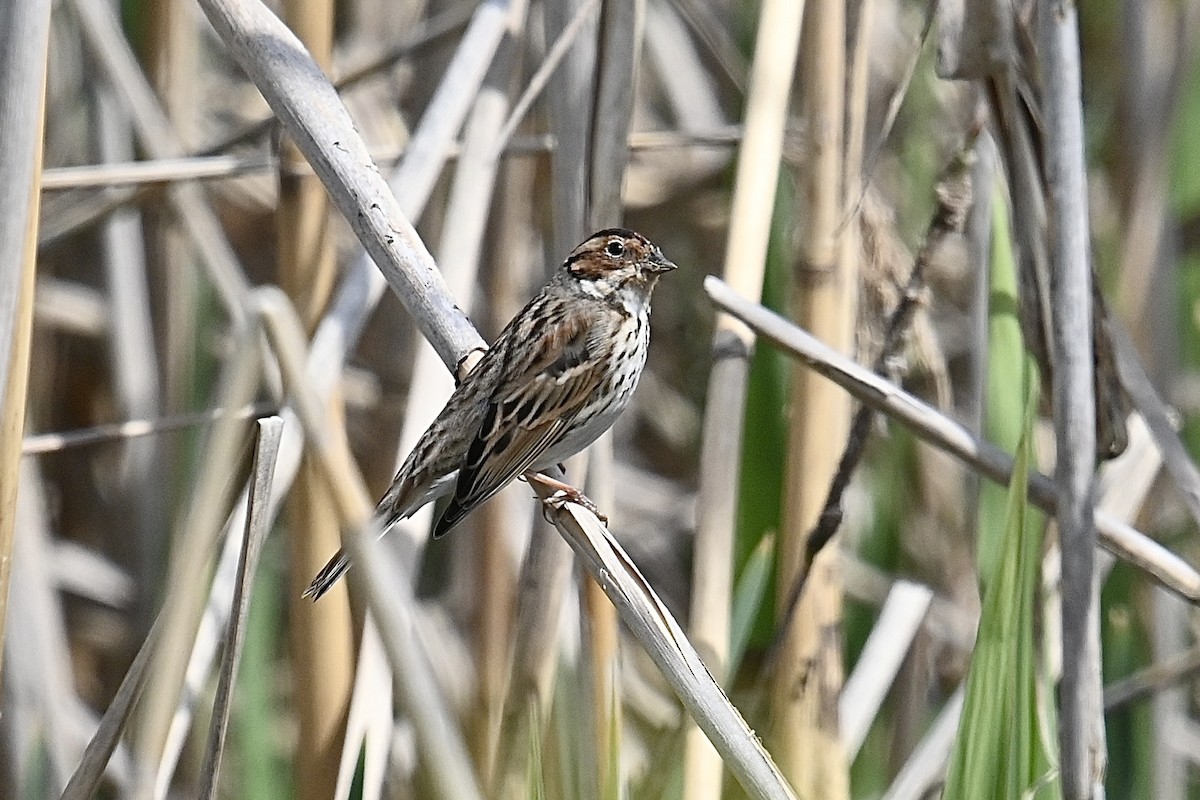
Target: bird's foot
<point>566,493</point>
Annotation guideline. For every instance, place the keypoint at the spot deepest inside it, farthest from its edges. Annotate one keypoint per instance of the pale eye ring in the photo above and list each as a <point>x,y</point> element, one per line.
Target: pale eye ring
<point>615,249</point>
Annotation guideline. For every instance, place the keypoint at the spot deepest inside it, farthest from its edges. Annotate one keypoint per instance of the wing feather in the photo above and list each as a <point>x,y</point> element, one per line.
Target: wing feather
<point>529,411</point>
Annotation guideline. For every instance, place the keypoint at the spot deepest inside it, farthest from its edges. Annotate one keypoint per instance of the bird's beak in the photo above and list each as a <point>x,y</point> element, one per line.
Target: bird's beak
<point>660,263</point>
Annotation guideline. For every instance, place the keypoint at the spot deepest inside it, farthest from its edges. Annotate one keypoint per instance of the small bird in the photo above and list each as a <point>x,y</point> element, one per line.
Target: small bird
<point>557,377</point>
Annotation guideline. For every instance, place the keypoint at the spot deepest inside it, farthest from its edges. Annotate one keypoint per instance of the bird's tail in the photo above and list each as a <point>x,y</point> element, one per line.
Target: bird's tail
<point>328,576</point>
<point>399,503</point>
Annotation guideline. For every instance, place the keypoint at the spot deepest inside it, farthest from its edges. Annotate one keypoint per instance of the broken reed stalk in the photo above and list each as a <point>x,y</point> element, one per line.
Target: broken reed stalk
<point>665,642</point>
<point>266,450</point>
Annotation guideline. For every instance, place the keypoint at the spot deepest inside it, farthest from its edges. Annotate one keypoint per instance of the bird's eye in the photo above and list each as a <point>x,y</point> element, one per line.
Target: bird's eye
<point>615,249</point>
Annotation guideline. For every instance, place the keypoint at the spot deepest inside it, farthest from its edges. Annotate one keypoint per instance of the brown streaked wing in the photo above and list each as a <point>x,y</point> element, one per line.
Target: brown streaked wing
<point>529,412</point>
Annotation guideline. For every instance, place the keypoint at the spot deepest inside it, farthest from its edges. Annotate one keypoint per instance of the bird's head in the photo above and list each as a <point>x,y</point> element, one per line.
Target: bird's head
<point>617,262</point>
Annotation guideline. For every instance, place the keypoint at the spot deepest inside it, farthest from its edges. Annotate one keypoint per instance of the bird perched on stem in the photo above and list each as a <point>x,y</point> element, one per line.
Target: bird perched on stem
<point>557,377</point>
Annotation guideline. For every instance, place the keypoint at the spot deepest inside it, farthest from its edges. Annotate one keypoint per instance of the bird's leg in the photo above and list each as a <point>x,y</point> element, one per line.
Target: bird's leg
<point>567,492</point>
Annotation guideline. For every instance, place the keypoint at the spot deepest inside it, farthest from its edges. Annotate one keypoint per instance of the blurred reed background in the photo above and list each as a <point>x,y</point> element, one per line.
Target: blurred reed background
<point>904,181</point>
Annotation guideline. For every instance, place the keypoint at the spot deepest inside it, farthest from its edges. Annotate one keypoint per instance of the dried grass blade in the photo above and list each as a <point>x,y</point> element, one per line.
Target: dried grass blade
<point>369,724</point>
<point>86,780</point>
<point>266,450</point>
<point>387,587</point>
<point>775,53</point>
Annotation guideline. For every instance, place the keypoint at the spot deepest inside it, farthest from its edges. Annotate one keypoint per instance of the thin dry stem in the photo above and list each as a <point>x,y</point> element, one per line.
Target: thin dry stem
<point>745,261</point>
<point>804,725</point>
<point>24,32</point>
<point>1083,752</point>
<point>266,449</point>
<point>322,637</point>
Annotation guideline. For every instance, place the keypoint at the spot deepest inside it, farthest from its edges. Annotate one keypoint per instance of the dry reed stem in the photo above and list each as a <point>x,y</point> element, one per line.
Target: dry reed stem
<point>621,27</point>
<point>316,119</point>
<point>1160,49</point>
<point>38,687</point>
<point>547,568</point>
<point>926,768</point>
<point>387,589</point>
<point>271,309</point>
<point>392,604</point>
<point>545,574</point>
<point>618,57</point>
<point>266,450</point>
<point>86,779</point>
<point>459,254</point>
<point>458,251</point>
<point>512,263</point>
<point>930,425</point>
<point>666,643</point>
<point>284,333</point>
<point>496,564</point>
<point>156,136</point>
<point>201,168</point>
<point>24,36</point>
<point>946,620</point>
<point>322,640</point>
<point>1146,682</point>
<point>172,79</point>
<point>601,634</point>
<point>545,71</point>
<point>134,361</point>
<point>808,680</point>
<point>312,114</point>
<point>196,534</point>
<point>173,43</point>
<point>1083,753</point>
<point>711,32</point>
<point>775,50</point>
<point>369,723</point>
<point>1154,411</point>
<point>900,620</point>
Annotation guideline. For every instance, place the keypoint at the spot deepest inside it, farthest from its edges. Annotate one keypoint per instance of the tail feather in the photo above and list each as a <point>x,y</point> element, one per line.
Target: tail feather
<point>451,516</point>
<point>328,576</point>
<point>400,501</point>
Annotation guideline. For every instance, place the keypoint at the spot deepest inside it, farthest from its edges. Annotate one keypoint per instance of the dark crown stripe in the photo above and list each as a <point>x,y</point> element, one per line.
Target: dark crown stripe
<point>604,234</point>
<point>625,232</point>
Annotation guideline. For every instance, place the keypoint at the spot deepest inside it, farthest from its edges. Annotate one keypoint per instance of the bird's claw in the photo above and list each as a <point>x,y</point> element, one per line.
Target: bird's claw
<point>565,493</point>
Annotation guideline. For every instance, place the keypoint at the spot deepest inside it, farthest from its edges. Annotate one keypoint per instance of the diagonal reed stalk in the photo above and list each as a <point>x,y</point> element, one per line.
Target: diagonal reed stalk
<point>1116,536</point>
<point>266,451</point>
